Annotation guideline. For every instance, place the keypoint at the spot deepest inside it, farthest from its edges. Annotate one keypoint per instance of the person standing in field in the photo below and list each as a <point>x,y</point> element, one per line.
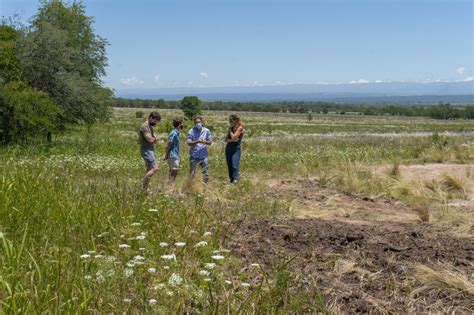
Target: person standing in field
<point>147,141</point>
<point>172,150</point>
<point>232,149</point>
<point>198,139</point>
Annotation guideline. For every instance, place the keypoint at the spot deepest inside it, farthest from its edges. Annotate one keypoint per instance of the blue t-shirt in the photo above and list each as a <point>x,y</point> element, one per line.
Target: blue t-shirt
<point>198,150</point>
<point>173,137</point>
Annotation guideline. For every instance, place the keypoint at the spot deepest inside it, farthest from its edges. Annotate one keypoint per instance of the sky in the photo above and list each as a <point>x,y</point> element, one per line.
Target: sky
<point>213,43</point>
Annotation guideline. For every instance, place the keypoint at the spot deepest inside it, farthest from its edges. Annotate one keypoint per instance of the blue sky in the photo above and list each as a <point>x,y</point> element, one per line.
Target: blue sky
<point>249,43</point>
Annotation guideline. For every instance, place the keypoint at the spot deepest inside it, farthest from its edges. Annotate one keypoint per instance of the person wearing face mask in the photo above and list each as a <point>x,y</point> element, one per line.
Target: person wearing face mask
<point>147,141</point>
<point>172,150</point>
<point>232,148</point>
<point>198,139</point>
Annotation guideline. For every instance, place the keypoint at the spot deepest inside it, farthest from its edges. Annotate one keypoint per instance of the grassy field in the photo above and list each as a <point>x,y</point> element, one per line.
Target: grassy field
<point>78,236</point>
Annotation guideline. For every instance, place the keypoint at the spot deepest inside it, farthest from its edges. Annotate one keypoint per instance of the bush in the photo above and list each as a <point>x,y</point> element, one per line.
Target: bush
<point>139,114</point>
<point>26,113</point>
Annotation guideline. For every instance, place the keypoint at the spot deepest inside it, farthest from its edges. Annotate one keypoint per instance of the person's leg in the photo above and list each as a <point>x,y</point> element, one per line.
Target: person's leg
<point>235,165</point>
<point>151,167</point>
<point>174,167</point>
<point>228,157</point>
<point>192,166</point>
<point>205,170</point>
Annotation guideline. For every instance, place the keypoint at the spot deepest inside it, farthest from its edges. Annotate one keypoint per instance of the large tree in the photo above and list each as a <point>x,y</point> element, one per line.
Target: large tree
<point>62,56</point>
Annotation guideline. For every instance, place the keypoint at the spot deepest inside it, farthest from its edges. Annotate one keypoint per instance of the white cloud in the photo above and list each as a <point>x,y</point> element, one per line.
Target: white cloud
<point>469,79</point>
<point>360,81</point>
<point>322,82</point>
<point>133,81</point>
<point>460,70</point>
<point>378,81</point>
<point>204,75</point>
<point>157,78</point>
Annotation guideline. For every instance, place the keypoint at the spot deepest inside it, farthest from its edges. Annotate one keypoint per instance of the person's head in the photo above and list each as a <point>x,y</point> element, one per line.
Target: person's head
<point>178,123</point>
<point>198,122</point>
<point>153,118</point>
<point>234,120</point>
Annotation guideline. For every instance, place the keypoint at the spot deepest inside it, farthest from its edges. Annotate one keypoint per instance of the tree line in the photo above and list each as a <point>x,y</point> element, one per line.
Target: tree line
<point>438,111</point>
<point>50,72</point>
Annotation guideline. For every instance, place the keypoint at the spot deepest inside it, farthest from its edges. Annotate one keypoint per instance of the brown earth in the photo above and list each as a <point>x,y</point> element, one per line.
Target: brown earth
<point>361,252</point>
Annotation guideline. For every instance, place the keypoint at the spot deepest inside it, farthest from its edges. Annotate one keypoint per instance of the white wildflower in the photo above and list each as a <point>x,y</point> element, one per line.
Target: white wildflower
<point>152,301</point>
<point>136,224</point>
<point>207,279</point>
<point>180,244</point>
<point>91,251</point>
<point>175,280</point>
<point>255,265</point>
<point>217,257</point>
<point>160,286</point>
<point>204,273</point>
<point>128,272</point>
<point>228,282</point>
<point>207,234</point>
<point>142,249</point>
<point>85,256</point>
<point>163,244</point>
<point>138,258</point>
<point>99,256</point>
<point>127,300</point>
<point>169,293</point>
<point>166,267</point>
<point>168,257</point>
<point>140,237</point>
<point>152,210</point>
<point>124,246</point>
<point>245,284</point>
<point>111,258</point>
<point>201,244</point>
<point>87,277</point>
<point>151,270</point>
<point>130,264</point>
<point>209,266</point>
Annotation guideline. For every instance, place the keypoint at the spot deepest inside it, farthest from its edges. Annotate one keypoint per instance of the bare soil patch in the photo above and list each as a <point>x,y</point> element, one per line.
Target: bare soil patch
<point>361,252</point>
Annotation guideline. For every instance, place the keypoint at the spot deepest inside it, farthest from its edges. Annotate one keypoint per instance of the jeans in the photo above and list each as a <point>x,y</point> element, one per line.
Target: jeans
<point>204,163</point>
<point>232,155</point>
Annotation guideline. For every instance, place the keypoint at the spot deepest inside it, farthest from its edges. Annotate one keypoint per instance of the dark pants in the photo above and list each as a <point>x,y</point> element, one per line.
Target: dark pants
<point>232,155</point>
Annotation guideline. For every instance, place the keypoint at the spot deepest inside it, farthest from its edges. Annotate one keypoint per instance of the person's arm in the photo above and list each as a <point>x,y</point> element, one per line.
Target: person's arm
<point>208,139</point>
<point>234,136</point>
<point>189,138</point>
<point>147,135</point>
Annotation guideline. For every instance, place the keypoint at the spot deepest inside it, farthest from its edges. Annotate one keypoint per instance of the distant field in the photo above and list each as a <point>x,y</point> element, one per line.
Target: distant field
<point>341,213</point>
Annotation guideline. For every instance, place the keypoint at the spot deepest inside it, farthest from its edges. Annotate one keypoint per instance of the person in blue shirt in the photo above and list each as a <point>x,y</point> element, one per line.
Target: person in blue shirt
<point>198,139</point>
<point>172,150</point>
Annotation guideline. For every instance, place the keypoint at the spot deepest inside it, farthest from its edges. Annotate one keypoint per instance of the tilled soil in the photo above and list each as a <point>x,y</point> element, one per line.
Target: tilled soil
<point>361,266</point>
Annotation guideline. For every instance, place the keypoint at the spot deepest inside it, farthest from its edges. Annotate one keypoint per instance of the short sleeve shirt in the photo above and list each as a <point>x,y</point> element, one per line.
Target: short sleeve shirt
<point>199,150</point>
<point>173,137</point>
<point>145,128</point>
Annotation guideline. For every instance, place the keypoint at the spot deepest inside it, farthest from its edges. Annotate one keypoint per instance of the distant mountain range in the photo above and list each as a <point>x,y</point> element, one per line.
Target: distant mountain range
<point>460,92</point>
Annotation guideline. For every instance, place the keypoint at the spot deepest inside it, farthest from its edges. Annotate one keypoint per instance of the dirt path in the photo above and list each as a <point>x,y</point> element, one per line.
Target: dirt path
<point>366,255</point>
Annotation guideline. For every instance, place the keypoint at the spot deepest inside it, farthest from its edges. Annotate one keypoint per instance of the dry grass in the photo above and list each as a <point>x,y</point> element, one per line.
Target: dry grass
<point>445,278</point>
<point>455,186</point>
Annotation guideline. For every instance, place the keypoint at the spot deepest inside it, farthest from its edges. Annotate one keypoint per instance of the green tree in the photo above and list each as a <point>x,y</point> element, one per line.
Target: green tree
<point>24,112</point>
<point>61,55</point>
<point>191,106</point>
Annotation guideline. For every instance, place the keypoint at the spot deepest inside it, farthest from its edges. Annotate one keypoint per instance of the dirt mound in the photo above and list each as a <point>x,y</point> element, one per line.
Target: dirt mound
<point>362,267</point>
